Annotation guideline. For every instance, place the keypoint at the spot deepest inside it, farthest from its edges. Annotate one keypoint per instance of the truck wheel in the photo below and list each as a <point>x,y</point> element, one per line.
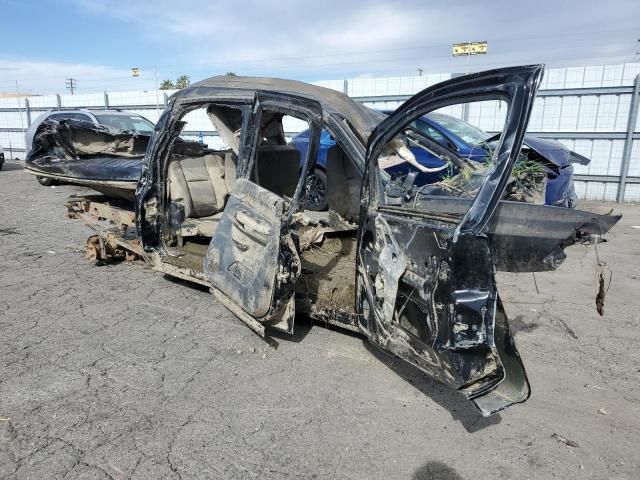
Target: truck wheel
<point>316,194</point>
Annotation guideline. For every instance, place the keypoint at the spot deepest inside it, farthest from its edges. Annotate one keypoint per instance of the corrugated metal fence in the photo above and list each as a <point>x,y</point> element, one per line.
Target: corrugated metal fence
<point>593,110</point>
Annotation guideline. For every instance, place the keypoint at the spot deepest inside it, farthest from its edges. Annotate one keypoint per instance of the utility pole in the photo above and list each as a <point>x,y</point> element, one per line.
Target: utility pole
<point>155,74</point>
<point>24,132</point>
<point>420,70</point>
<point>71,84</point>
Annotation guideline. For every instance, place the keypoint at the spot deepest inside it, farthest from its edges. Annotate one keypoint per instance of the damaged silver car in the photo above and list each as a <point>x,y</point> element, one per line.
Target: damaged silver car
<point>59,136</point>
<point>412,268</point>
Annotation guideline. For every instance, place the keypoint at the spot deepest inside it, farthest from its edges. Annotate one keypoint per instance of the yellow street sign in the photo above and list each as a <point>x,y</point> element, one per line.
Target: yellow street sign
<point>135,72</point>
<point>469,48</point>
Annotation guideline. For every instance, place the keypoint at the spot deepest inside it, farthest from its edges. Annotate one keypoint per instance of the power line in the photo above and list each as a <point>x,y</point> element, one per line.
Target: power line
<point>71,83</point>
<point>450,62</point>
<point>590,33</point>
<point>310,58</point>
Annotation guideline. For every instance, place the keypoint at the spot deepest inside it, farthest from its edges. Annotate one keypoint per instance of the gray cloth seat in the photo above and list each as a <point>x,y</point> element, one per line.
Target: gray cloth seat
<point>203,226</point>
<point>343,185</point>
<point>202,184</point>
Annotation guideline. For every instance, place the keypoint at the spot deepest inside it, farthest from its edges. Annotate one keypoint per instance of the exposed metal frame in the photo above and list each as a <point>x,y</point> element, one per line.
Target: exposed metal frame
<point>628,144</point>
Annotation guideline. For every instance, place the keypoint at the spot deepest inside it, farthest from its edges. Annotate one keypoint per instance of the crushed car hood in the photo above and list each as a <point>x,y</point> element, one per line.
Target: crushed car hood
<point>73,139</point>
<point>554,152</point>
<point>82,153</point>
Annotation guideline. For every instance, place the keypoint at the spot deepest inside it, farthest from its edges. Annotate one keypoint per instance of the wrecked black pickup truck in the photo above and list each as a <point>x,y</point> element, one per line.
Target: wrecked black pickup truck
<point>412,268</point>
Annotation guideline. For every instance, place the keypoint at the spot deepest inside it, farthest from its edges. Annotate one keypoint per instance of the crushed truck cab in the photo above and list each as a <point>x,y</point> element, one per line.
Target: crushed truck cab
<point>410,267</point>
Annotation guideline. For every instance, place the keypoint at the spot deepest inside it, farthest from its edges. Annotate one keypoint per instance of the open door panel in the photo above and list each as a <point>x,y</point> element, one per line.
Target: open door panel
<point>426,263</point>
<point>250,267</point>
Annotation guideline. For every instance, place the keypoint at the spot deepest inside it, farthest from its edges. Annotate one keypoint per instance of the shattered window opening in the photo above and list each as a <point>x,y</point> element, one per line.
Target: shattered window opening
<point>133,123</point>
<point>420,168</point>
<point>199,179</point>
<point>276,164</point>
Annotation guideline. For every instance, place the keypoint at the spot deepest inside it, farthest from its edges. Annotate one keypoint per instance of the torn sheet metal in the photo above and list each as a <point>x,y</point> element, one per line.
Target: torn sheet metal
<point>74,139</point>
<point>82,153</point>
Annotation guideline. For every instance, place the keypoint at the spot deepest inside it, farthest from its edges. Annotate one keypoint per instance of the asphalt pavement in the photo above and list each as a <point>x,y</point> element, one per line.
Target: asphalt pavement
<point>117,371</point>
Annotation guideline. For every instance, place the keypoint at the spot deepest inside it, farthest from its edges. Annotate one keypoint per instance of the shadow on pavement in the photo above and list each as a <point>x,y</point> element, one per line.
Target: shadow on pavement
<point>10,165</point>
<point>435,471</point>
<point>185,283</point>
<point>460,408</point>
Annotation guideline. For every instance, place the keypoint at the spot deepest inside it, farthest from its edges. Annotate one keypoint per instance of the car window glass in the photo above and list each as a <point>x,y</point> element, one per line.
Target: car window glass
<point>429,131</point>
<point>467,132</point>
<point>70,116</point>
<point>134,123</point>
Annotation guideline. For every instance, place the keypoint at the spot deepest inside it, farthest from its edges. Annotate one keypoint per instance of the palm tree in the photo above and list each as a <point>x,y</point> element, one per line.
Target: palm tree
<point>182,81</point>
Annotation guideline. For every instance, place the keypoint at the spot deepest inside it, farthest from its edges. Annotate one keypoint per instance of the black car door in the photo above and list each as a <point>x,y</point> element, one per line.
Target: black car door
<point>252,262</point>
<point>427,257</point>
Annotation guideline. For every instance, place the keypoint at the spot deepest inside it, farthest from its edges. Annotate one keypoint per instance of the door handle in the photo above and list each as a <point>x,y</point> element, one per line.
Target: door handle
<point>243,247</point>
<point>252,224</point>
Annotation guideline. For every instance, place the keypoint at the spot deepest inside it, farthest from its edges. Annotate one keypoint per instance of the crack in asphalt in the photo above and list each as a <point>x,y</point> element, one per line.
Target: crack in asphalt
<point>115,372</point>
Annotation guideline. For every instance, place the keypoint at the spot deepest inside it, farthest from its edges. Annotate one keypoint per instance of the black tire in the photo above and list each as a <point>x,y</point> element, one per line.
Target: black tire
<point>46,182</point>
<point>316,194</point>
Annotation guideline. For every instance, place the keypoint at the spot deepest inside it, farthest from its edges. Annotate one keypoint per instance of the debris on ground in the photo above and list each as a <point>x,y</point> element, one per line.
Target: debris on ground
<point>566,441</point>
<point>602,411</point>
<point>594,387</point>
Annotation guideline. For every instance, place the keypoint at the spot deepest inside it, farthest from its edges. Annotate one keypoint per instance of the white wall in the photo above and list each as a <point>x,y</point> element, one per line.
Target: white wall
<point>604,113</point>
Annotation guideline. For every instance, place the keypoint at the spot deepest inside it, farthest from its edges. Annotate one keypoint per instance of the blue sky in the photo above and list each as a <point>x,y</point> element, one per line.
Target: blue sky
<point>58,31</point>
<point>98,41</point>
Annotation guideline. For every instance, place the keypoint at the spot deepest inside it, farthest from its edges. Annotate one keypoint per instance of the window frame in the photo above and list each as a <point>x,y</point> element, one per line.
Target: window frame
<point>301,108</point>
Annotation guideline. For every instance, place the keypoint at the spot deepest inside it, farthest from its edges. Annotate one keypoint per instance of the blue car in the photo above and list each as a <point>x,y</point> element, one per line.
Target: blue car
<point>466,141</point>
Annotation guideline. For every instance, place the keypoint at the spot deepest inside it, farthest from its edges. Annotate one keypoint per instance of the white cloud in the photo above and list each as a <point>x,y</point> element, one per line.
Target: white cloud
<point>317,39</point>
<point>49,77</point>
<point>337,39</point>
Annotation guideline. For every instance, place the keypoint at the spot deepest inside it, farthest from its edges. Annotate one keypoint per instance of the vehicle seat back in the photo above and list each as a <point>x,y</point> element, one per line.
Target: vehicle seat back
<point>277,168</point>
<point>343,185</point>
<point>202,183</point>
